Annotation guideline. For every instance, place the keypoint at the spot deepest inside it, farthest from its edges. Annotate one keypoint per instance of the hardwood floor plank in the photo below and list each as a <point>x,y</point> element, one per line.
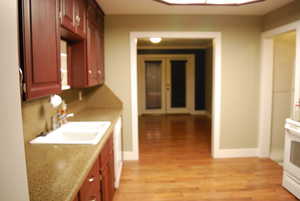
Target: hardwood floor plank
<point>176,165</point>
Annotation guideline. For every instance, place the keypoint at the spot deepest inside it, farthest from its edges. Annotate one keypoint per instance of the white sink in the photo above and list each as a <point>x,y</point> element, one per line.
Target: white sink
<point>75,133</point>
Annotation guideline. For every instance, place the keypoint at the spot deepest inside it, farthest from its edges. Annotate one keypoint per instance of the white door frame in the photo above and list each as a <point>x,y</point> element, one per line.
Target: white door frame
<point>217,83</point>
<point>190,93</point>
<point>266,83</point>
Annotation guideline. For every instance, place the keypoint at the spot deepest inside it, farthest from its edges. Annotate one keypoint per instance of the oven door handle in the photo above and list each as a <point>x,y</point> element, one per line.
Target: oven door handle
<point>292,131</point>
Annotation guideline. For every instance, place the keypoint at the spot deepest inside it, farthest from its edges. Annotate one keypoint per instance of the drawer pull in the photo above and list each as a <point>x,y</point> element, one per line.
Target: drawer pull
<point>94,199</point>
<point>91,179</point>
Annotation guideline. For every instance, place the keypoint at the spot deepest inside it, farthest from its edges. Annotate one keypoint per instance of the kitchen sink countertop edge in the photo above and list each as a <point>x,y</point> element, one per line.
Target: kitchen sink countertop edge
<point>56,172</point>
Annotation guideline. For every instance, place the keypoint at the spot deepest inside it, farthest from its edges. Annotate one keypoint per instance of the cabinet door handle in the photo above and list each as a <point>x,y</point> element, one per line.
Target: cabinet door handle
<point>77,20</point>
<point>90,71</point>
<point>92,179</point>
<point>99,72</point>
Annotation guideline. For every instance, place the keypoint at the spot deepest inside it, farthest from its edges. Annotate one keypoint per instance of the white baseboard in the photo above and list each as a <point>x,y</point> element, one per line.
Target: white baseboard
<point>236,153</point>
<point>130,156</point>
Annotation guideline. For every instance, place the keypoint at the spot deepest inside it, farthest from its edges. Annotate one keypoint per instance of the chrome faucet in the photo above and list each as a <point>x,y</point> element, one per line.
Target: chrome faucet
<point>59,119</point>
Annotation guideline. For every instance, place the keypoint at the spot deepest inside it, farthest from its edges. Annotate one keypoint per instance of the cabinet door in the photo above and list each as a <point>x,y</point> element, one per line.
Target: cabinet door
<point>89,190</point>
<point>92,46</point>
<point>100,49</point>
<point>40,47</point>
<point>68,14</point>
<point>80,17</point>
<point>106,184</point>
<point>111,167</point>
<point>108,178</point>
<point>91,54</point>
<point>76,198</point>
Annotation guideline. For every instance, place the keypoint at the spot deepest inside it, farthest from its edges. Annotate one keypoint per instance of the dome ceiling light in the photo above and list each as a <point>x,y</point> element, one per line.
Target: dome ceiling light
<point>155,40</point>
<point>209,2</point>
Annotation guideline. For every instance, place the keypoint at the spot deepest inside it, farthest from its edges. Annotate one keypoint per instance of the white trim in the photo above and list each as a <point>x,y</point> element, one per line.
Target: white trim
<point>130,156</point>
<point>266,96</point>
<point>217,82</point>
<point>266,83</point>
<point>237,153</point>
<point>118,176</point>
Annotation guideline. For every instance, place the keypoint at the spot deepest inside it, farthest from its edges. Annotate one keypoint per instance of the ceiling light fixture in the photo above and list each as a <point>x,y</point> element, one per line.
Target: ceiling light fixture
<point>155,40</point>
<point>209,2</point>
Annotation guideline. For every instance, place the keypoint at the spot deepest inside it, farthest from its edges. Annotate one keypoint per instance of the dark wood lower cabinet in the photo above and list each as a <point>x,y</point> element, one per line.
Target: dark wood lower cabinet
<point>99,184</point>
<point>106,161</point>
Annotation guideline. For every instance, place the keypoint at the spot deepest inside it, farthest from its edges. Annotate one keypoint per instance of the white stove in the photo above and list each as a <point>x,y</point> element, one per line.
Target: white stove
<point>291,174</point>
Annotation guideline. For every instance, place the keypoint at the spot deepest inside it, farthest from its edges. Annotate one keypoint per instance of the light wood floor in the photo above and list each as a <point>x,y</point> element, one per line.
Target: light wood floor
<point>176,165</point>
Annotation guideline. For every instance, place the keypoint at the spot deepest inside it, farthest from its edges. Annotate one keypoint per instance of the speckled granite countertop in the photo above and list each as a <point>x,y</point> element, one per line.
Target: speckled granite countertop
<point>56,172</point>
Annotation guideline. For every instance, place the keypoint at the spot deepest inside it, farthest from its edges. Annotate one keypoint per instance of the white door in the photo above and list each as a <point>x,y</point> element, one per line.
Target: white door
<point>166,84</point>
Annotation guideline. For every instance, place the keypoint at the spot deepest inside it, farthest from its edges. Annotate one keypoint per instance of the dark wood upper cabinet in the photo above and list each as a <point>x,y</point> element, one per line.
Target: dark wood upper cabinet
<point>73,18</point>
<point>40,47</point>
<point>92,45</point>
<point>90,71</point>
<point>100,49</point>
<point>42,25</point>
<point>80,17</point>
<point>67,14</point>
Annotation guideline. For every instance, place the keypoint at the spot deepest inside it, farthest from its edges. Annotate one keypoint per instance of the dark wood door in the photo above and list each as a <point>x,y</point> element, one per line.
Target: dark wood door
<point>40,47</point>
<point>80,17</point>
<point>68,14</point>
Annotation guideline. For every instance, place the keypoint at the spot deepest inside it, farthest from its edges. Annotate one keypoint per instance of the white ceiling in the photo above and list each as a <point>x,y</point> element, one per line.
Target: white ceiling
<point>140,7</point>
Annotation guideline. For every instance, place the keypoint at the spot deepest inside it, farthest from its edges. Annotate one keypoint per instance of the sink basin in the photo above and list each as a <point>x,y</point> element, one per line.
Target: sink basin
<point>75,133</point>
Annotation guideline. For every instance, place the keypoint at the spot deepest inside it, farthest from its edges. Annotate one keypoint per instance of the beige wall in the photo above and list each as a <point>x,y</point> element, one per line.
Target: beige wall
<point>284,62</point>
<point>240,67</point>
<point>208,79</point>
<point>282,16</point>
<point>37,113</point>
<point>13,179</point>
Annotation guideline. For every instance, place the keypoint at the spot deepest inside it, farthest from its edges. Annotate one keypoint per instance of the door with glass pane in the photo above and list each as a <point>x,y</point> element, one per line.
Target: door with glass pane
<point>177,86</point>
<point>166,84</point>
<point>153,72</point>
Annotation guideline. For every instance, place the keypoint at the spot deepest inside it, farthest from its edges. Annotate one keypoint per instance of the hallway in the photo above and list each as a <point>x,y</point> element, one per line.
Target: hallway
<point>176,165</point>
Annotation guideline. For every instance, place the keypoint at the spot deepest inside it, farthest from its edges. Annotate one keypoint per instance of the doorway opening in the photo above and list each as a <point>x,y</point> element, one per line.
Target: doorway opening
<point>175,76</point>
<point>174,95</point>
<point>284,53</point>
<point>216,92</point>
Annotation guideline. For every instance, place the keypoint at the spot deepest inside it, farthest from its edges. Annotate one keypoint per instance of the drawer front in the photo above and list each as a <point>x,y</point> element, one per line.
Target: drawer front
<point>92,197</point>
<point>90,190</point>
